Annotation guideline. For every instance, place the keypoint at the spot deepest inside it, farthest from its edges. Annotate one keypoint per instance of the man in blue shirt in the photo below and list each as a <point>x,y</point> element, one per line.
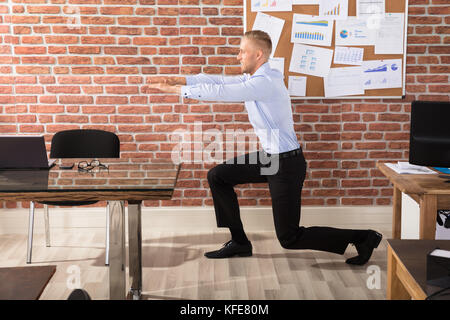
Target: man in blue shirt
<point>281,162</point>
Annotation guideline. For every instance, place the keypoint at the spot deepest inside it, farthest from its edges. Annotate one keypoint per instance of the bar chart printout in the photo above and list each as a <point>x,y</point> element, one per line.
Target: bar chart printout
<point>336,9</point>
<point>312,30</point>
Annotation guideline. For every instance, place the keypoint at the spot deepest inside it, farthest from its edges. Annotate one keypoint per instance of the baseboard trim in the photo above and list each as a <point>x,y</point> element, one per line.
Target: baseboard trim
<point>15,221</point>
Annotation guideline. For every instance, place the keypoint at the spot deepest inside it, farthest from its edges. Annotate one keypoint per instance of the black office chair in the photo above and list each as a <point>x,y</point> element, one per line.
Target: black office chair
<point>77,144</point>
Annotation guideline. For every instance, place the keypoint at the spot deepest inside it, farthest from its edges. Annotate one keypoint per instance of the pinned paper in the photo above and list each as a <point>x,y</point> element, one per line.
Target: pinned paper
<point>382,74</point>
<point>297,86</point>
<point>271,5</point>
<point>311,60</point>
<point>344,82</point>
<point>277,63</point>
<point>312,30</point>
<point>348,55</point>
<point>335,9</point>
<point>271,25</point>
<point>389,37</point>
<point>305,1</point>
<point>365,8</point>
<point>354,32</point>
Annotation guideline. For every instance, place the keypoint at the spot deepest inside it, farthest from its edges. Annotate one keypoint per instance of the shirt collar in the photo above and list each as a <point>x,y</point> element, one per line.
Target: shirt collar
<point>262,69</point>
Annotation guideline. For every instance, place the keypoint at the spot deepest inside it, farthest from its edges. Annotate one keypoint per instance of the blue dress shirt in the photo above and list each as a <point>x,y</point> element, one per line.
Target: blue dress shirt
<point>266,99</point>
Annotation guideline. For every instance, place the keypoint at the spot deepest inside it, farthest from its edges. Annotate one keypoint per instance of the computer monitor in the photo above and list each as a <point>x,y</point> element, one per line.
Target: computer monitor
<point>430,134</point>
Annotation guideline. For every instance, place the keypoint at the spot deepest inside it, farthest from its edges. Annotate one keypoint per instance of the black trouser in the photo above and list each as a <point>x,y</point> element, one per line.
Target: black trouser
<point>285,189</point>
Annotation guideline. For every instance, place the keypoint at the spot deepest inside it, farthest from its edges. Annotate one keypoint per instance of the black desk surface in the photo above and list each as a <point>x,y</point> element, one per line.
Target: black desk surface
<point>413,255</point>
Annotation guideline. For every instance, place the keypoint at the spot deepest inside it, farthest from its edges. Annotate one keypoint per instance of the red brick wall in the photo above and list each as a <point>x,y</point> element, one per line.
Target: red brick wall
<point>82,64</point>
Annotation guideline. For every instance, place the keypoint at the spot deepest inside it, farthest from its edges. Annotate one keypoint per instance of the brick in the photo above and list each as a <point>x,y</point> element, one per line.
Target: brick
<point>424,20</point>
<point>432,79</point>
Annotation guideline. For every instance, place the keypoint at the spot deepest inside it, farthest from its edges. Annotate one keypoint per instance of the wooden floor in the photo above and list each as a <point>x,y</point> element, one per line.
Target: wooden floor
<point>174,267</point>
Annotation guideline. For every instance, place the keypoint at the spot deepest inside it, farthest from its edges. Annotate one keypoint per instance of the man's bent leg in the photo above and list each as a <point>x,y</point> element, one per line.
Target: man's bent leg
<point>285,189</point>
<point>222,180</point>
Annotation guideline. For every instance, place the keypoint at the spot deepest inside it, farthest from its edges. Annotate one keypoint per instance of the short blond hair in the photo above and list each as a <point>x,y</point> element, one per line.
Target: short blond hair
<point>261,39</point>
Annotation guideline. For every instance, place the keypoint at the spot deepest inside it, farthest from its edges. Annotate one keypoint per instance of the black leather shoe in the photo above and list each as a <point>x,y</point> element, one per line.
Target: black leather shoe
<point>79,294</point>
<point>365,248</point>
<point>231,249</point>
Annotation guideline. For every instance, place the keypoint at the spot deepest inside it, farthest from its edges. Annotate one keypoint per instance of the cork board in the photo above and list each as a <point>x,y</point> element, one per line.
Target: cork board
<point>314,85</point>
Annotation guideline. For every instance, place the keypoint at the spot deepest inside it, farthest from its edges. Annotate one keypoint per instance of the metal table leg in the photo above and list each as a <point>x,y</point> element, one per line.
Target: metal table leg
<point>135,248</point>
<point>117,280</point>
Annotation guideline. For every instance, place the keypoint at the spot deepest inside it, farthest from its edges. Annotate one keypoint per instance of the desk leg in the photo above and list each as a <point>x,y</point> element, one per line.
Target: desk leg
<point>135,248</point>
<point>117,280</point>
<point>395,289</point>
<point>428,212</point>
<point>397,214</point>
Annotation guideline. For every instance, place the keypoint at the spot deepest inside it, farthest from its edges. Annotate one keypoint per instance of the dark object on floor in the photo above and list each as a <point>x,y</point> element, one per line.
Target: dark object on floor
<point>231,249</point>
<point>79,294</point>
<point>365,248</point>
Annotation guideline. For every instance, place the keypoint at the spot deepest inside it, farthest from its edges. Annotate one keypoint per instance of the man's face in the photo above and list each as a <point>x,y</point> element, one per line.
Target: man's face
<point>248,56</point>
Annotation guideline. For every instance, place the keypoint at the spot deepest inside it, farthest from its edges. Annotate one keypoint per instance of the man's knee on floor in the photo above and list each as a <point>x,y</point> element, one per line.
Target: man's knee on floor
<point>285,242</point>
<point>289,239</point>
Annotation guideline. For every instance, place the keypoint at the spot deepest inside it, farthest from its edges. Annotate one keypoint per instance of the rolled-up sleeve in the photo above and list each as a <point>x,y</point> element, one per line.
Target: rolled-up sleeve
<point>255,88</point>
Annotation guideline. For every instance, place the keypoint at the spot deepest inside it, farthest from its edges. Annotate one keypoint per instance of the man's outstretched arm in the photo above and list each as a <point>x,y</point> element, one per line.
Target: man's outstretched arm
<point>257,88</point>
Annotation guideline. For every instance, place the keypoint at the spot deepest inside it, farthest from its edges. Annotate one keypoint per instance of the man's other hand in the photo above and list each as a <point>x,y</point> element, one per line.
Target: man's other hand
<point>163,87</point>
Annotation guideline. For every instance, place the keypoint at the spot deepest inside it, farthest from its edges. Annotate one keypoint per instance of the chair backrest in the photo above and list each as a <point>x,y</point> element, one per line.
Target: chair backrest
<point>85,143</point>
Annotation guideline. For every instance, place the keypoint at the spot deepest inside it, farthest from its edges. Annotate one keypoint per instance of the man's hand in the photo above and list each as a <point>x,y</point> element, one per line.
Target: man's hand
<point>163,87</point>
<point>176,80</point>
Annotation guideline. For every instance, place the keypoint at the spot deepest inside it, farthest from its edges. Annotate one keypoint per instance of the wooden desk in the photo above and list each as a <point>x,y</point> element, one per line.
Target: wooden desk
<point>130,180</point>
<point>24,283</point>
<point>429,191</point>
<point>407,271</point>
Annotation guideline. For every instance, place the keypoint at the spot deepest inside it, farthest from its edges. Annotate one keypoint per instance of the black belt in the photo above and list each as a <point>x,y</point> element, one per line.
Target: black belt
<point>287,154</point>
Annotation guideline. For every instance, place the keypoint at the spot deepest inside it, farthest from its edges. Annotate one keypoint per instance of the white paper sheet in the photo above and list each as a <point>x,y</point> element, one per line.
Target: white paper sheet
<point>348,55</point>
<point>335,9</point>
<point>271,5</point>
<point>365,8</point>
<point>382,74</point>
<point>272,25</point>
<point>440,253</point>
<point>344,82</point>
<point>389,37</point>
<point>407,168</point>
<point>305,1</point>
<point>311,60</point>
<point>277,63</point>
<point>354,32</point>
<point>312,30</point>
<point>297,86</point>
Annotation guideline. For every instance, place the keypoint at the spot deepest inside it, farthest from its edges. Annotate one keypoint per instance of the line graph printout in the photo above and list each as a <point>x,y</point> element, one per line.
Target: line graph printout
<point>271,5</point>
<point>312,30</point>
<point>382,74</point>
<point>335,9</point>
